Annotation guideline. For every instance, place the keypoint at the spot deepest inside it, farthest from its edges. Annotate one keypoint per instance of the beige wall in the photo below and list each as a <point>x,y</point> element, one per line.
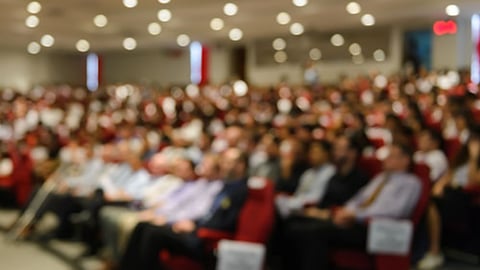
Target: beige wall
<point>21,70</point>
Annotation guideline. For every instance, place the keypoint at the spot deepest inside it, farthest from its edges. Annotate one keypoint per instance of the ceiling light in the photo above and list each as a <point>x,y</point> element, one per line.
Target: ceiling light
<point>216,24</point>
<point>240,88</point>
<point>300,3</point>
<point>34,7</point>
<point>164,1</point>
<point>368,20</point>
<point>164,15</point>
<point>235,34</point>
<point>283,18</point>
<point>296,29</point>
<point>100,20</point>
<point>47,40</point>
<point>358,59</point>
<point>129,44</point>
<point>315,54</point>
<point>279,44</point>
<point>280,57</point>
<point>355,49</point>
<point>130,3</point>
<point>82,45</point>
<point>154,28</point>
<point>353,8</point>
<point>337,40</point>
<point>230,9</point>
<point>33,47</point>
<point>32,21</point>
<point>379,55</point>
<point>183,40</point>
<point>452,10</point>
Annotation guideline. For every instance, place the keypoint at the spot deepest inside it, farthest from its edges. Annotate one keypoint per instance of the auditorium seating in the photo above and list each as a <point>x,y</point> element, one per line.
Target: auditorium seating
<point>254,225</point>
<point>360,260</point>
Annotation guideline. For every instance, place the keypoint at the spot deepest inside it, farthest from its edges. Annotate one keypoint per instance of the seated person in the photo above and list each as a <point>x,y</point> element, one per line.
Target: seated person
<point>313,181</point>
<point>346,182</point>
<point>392,194</point>
<point>450,204</point>
<point>180,237</point>
<point>189,201</point>
<point>429,153</point>
<point>292,165</point>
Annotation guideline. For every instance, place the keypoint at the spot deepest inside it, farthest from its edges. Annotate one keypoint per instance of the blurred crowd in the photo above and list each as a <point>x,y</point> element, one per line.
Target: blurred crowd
<point>436,113</point>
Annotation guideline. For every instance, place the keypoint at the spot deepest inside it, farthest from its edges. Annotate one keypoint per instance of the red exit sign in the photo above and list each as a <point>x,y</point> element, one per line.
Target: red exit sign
<point>441,28</point>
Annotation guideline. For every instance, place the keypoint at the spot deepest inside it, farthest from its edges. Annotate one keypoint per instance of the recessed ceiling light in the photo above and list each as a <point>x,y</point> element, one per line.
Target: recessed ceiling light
<point>355,49</point>
<point>315,54</point>
<point>283,18</point>
<point>353,8</point>
<point>47,40</point>
<point>337,40</point>
<point>34,7</point>
<point>82,45</point>
<point>379,55</point>
<point>452,10</point>
<point>368,20</point>
<point>32,21</point>
<point>279,44</point>
<point>164,1</point>
<point>280,57</point>
<point>130,3</point>
<point>164,15</point>
<point>100,20</point>
<point>154,28</point>
<point>129,43</point>
<point>33,47</point>
<point>216,24</point>
<point>230,9</point>
<point>235,34</point>
<point>183,40</point>
<point>296,29</point>
<point>300,3</point>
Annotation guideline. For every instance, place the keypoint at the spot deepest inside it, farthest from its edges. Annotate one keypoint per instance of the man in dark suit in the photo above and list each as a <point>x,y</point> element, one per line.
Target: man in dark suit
<point>148,240</point>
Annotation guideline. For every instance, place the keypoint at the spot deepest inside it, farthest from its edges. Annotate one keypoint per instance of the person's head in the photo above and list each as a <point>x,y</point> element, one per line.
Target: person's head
<point>345,151</point>
<point>234,164</point>
<point>291,148</point>
<point>269,145</point>
<point>399,158</point>
<point>158,164</point>
<point>209,167</point>
<point>463,118</point>
<point>319,153</point>
<point>184,168</point>
<point>233,134</point>
<point>429,139</point>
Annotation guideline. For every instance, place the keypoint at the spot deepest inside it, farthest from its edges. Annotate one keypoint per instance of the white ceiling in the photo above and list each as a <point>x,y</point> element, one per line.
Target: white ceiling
<point>71,20</point>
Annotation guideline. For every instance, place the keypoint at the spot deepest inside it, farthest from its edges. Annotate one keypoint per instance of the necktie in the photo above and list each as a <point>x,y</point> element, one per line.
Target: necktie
<point>368,201</point>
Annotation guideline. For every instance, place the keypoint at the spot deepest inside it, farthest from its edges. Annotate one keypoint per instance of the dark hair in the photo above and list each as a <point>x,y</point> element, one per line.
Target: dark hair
<point>404,148</point>
<point>434,136</point>
<point>325,145</point>
<point>354,144</point>
<point>463,155</point>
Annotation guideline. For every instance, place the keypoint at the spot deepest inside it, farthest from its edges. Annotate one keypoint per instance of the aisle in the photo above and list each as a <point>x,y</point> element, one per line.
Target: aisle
<point>56,255</point>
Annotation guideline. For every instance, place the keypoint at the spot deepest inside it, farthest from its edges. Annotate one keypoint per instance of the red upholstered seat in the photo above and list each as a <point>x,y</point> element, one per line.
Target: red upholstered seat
<point>255,223</point>
<point>370,166</point>
<point>360,260</point>
<point>452,146</point>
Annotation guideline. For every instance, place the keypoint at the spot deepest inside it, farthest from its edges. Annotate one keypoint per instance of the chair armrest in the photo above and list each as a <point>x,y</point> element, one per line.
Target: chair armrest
<point>211,237</point>
<point>472,189</point>
<point>210,234</point>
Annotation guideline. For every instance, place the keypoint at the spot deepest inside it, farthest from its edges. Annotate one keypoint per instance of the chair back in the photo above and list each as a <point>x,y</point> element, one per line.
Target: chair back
<point>256,218</point>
